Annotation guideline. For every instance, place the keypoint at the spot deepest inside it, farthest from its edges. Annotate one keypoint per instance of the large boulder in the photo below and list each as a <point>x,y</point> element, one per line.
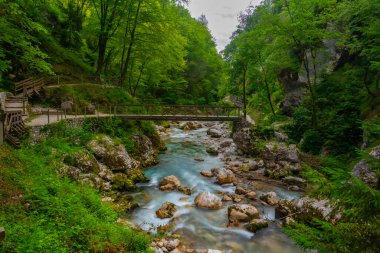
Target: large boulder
<point>242,213</point>
<point>244,138</point>
<point>214,133</point>
<point>167,210</point>
<point>224,176</point>
<point>206,173</point>
<point>112,154</point>
<point>169,183</point>
<point>270,198</point>
<point>305,209</point>
<point>144,151</point>
<point>363,171</point>
<point>207,200</point>
<point>257,224</point>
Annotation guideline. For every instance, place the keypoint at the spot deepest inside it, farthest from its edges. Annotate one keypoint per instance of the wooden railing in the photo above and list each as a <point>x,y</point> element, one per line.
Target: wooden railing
<point>29,87</point>
<point>13,127</point>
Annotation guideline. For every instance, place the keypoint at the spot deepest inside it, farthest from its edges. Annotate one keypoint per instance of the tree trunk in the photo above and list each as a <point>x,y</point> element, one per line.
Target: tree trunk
<point>102,44</point>
<point>131,42</point>
<point>314,121</point>
<point>365,81</point>
<point>139,78</point>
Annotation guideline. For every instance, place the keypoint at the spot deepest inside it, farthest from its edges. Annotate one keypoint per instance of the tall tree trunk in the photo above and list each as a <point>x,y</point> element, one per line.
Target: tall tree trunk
<point>244,92</point>
<point>131,42</point>
<point>365,82</point>
<point>138,79</point>
<point>314,121</point>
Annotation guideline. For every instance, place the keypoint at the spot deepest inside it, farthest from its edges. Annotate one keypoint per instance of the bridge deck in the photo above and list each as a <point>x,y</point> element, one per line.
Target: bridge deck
<point>179,117</point>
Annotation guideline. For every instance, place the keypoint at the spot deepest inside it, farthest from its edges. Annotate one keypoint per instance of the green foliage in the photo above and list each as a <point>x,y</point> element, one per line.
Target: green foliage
<point>43,212</point>
<point>312,142</point>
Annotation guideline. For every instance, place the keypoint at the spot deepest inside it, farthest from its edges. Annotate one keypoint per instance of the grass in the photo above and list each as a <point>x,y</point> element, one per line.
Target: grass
<point>45,212</point>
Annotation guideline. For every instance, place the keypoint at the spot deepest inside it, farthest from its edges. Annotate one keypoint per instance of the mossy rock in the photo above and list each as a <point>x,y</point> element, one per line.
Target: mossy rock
<point>122,182</point>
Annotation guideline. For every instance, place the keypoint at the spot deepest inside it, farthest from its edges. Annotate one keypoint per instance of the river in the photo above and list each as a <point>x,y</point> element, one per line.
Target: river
<point>199,228</point>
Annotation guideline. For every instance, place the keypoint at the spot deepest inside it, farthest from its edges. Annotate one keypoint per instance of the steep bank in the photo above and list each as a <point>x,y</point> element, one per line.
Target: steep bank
<point>52,189</point>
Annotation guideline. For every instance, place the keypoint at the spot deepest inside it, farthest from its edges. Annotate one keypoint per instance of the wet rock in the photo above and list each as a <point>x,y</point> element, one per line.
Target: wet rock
<point>257,224</point>
<point>214,133</point>
<point>167,210</point>
<point>236,198</point>
<point>207,200</point>
<point>242,213</point>
<point>241,191</point>
<point>251,195</point>
<point>226,197</point>
<point>212,151</point>
<point>199,159</point>
<point>185,190</point>
<point>224,176</point>
<point>206,173</point>
<point>169,183</point>
<point>270,198</point>
<point>294,188</point>
<point>290,180</point>
<point>111,154</point>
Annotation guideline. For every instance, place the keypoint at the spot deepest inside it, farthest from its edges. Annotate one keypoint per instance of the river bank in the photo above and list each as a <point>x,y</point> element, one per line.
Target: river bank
<point>205,159</point>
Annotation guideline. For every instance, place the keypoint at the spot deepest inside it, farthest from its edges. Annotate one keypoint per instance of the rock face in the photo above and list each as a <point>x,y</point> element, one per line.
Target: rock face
<point>294,91</point>
<point>363,171</point>
<point>144,149</point>
<point>242,213</point>
<point>111,154</point>
<point>207,200</point>
<point>244,138</point>
<point>270,198</point>
<point>224,176</point>
<point>167,210</point>
<point>305,209</point>
<point>257,224</point>
<point>169,183</point>
<point>281,160</point>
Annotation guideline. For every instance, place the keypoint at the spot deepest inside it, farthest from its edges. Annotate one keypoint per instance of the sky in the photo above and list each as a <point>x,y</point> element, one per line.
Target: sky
<point>222,16</point>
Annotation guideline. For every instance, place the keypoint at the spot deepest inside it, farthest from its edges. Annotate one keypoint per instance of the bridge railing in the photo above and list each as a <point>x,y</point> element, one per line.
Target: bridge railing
<point>154,109</point>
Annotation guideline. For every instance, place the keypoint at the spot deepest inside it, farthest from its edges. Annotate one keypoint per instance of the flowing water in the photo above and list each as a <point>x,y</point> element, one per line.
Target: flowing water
<point>199,228</point>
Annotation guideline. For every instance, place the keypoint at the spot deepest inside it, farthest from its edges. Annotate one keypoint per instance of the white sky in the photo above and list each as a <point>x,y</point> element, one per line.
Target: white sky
<point>221,15</point>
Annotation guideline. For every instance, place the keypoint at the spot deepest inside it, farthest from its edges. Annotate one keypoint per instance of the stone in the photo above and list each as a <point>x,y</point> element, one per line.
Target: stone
<point>281,137</point>
<point>207,200</point>
<point>185,190</point>
<point>241,191</point>
<point>242,213</point>
<point>214,133</point>
<point>144,148</point>
<point>226,198</point>
<point>363,172</point>
<point>199,159</point>
<point>111,154</point>
<point>290,180</point>
<point>169,183</point>
<point>167,210</point>
<point>224,176</point>
<point>270,198</point>
<point>294,188</point>
<point>212,151</point>
<point>190,125</point>
<point>251,195</point>
<point>244,138</point>
<point>257,224</point>
<point>171,245</point>
<point>206,173</point>
<point>67,106</point>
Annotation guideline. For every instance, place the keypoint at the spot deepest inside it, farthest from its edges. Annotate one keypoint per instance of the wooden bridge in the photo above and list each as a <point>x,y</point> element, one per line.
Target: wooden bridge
<point>141,112</point>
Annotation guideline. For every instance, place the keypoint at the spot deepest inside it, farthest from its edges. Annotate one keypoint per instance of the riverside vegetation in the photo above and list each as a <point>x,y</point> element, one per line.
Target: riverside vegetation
<point>310,69</point>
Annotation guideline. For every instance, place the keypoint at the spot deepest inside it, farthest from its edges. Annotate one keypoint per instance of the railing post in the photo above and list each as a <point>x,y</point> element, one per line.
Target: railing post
<point>57,112</point>
<point>48,112</point>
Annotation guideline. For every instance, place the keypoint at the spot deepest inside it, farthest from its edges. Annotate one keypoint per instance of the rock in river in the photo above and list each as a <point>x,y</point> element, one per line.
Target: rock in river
<point>257,224</point>
<point>242,213</point>
<point>167,210</point>
<point>270,198</point>
<point>207,200</point>
<point>169,183</point>
<point>224,176</point>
